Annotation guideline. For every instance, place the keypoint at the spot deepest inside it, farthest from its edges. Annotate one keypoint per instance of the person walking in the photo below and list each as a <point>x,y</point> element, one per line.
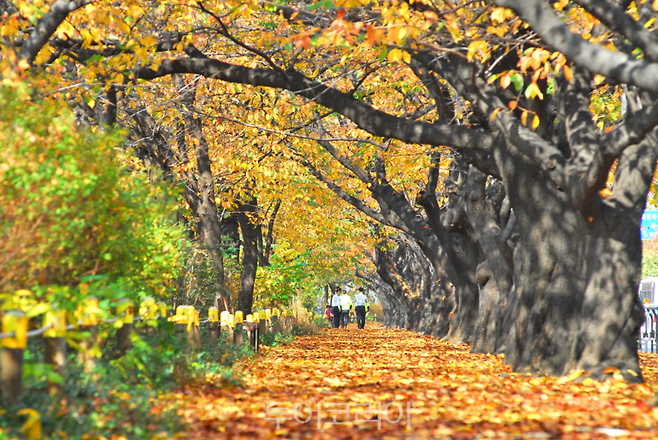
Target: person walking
<point>335,309</point>
<point>361,302</point>
<point>345,306</point>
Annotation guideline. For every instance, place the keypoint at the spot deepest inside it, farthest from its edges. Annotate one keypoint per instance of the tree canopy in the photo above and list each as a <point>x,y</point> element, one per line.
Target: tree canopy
<point>510,144</point>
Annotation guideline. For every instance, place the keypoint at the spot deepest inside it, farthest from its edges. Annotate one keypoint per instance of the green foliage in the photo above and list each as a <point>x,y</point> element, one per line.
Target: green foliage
<point>274,339</point>
<point>199,281</point>
<point>286,276</point>
<point>122,396</point>
<point>70,207</point>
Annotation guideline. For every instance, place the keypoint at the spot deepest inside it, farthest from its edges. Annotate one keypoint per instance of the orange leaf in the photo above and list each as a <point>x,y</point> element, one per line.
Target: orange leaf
<point>512,105</point>
<point>567,73</point>
<point>605,193</point>
<point>505,81</point>
<point>493,115</point>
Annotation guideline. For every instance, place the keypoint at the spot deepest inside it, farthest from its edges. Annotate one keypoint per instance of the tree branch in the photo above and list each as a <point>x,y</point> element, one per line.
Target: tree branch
<point>340,192</point>
<point>365,116</point>
<point>632,131</point>
<point>459,73</point>
<point>616,19</point>
<point>586,169</point>
<point>47,26</point>
<point>620,67</point>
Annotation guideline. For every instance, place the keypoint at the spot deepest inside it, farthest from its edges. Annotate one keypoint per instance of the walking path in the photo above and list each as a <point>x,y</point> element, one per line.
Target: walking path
<point>431,389</point>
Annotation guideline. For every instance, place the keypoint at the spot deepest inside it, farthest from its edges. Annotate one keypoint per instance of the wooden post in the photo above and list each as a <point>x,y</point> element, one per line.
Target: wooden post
<point>213,316</point>
<point>88,312</point>
<point>127,324</point>
<point>262,324</point>
<point>187,320</point>
<point>163,309</point>
<point>238,335</point>
<point>276,321</point>
<point>195,333</point>
<point>55,346</point>
<point>252,332</point>
<point>11,354</point>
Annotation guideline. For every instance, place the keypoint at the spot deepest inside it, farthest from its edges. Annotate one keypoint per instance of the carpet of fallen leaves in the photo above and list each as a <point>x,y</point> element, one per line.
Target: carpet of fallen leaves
<point>400,384</point>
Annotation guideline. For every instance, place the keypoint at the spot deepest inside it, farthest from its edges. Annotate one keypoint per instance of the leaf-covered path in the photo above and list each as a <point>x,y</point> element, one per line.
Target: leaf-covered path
<point>432,389</point>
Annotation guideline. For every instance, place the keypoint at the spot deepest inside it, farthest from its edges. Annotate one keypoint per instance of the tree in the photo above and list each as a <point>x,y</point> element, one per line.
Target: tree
<point>530,210</point>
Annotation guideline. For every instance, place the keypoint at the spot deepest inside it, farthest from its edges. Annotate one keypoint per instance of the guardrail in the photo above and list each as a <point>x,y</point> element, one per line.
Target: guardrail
<point>648,339</point>
<point>15,332</point>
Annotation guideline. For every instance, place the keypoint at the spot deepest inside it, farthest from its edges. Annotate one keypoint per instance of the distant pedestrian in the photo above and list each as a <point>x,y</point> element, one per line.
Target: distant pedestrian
<point>345,307</point>
<point>335,309</point>
<point>361,302</point>
<point>327,313</point>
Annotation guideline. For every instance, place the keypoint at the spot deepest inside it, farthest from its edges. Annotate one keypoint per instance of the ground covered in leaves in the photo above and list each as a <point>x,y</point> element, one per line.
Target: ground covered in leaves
<point>383,383</point>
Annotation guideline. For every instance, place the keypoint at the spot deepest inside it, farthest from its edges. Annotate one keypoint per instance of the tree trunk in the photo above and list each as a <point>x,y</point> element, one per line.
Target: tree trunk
<point>248,219</point>
<point>209,222</point>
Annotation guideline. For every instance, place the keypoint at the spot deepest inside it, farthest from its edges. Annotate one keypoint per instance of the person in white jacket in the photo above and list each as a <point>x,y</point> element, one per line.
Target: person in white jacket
<point>335,308</point>
<point>361,303</point>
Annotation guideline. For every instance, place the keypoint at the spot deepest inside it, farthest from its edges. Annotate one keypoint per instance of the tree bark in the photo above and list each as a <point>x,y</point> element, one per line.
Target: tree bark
<point>248,218</point>
<point>211,230</point>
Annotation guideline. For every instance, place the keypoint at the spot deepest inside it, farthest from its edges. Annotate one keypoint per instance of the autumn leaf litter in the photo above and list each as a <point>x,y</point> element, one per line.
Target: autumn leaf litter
<point>432,389</point>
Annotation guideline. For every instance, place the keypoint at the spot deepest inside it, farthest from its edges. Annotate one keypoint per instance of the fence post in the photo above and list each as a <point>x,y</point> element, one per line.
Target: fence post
<point>267,317</point>
<point>55,345</point>
<point>150,310</point>
<point>252,332</point>
<point>238,335</point>
<point>88,312</point>
<point>225,324</point>
<point>195,333</point>
<point>213,316</point>
<point>187,320</point>
<point>126,307</point>
<point>163,309</point>
<point>11,354</point>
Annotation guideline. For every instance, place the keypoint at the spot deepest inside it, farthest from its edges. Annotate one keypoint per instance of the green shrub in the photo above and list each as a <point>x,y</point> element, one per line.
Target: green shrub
<point>70,208</point>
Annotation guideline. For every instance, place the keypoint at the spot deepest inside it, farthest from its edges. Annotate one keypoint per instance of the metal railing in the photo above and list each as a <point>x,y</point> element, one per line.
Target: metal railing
<point>647,342</point>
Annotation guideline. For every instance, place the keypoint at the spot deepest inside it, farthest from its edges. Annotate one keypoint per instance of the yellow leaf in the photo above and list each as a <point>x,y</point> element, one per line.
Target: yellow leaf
<point>532,91</point>
<point>560,5</point>
<point>394,55</point>
<point>32,426</point>
<point>598,79</point>
<point>524,117</point>
<point>500,14</point>
<point>477,48</point>
<point>654,5</point>
<point>493,115</point>
<point>406,56</point>
<point>535,122</point>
